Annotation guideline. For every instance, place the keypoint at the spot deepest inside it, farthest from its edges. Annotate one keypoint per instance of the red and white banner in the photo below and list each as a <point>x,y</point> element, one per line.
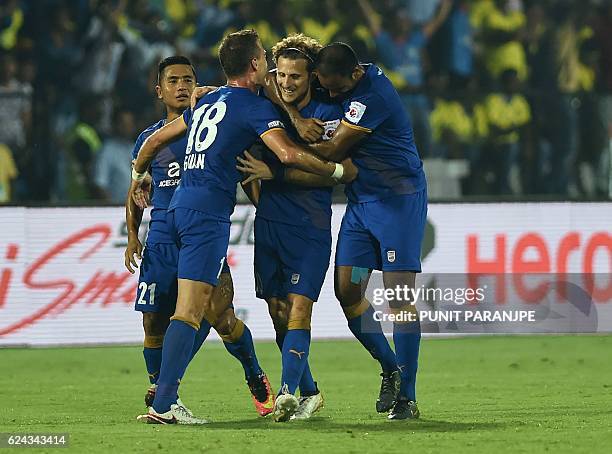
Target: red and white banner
<point>62,279</point>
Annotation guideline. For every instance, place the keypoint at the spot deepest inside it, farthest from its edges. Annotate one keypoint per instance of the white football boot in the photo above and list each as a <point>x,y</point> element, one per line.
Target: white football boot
<point>309,405</point>
<point>285,406</point>
<point>176,415</point>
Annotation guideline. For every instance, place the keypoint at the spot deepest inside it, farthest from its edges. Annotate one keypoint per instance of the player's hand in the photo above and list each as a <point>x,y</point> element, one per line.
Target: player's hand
<point>134,247</point>
<point>350,171</point>
<point>140,191</point>
<point>198,92</point>
<point>254,168</point>
<point>310,129</point>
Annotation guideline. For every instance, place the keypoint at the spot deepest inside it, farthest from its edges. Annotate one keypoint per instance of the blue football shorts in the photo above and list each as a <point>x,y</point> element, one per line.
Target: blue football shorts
<point>202,242</point>
<point>384,234</point>
<point>290,259</point>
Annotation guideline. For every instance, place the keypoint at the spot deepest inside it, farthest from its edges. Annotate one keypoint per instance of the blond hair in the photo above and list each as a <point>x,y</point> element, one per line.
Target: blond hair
<point>307,45</point>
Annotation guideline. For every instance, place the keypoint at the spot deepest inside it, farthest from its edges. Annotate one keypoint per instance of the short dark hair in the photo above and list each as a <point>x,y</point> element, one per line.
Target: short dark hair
<point>336,59</point>
<point>236,52</point>
<point>173,60</point>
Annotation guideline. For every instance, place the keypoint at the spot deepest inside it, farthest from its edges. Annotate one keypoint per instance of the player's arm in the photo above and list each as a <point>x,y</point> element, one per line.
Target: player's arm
<point>259,170</point>
<point>293,155</point>
<point>133,219</point>
<point>149,149</point>
<point>252,189</point>
<point>309,129</point>
<point>156,141</point>
<point>337,148</point>
<point>302,178</point>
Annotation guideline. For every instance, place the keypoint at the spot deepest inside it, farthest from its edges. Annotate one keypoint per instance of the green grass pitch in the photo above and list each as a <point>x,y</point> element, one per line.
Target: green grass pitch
<point>491,394</point>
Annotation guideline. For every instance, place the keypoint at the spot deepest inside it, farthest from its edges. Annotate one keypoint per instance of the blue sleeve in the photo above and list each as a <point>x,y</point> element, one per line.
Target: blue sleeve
<point>264,117</point>
<point>187,115</point>
<point>138,144</point>
<point>366,112</point>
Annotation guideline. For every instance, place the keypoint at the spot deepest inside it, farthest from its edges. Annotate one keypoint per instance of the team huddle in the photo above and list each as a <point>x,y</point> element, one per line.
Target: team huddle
<point>319,119</point>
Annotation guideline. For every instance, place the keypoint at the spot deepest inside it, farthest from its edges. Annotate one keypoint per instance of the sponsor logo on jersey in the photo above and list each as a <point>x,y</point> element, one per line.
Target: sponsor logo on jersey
<point>355,111</point>
<point>391,256</point>
<point>174,170</point>
<point>276,124</point>
<point>295,278</point>
<point>169,183</point>
<point>329,129</point>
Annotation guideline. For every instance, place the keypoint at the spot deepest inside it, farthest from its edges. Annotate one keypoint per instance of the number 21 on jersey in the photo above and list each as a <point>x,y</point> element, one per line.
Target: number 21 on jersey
<point>203,133</point>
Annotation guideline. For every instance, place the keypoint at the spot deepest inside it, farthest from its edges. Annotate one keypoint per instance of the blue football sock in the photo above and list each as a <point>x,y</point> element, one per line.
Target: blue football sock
<point>295,357</point>
<point>407,337</point>
<point>307,386</point>
<point>153,359</point>
<point>243,350</point>
<point>200,337</point>
<point>369,332</point>
<point>176,353</point>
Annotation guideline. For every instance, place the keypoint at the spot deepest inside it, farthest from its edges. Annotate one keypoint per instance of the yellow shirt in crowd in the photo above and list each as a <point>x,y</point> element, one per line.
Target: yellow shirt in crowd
<point>8,172</point>
<point>452,116</point>
<point>507,112</point>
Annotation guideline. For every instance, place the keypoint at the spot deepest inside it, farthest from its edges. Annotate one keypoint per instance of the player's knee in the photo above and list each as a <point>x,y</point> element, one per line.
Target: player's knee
<point>347,294</point>
<point>155,323</point>
<point>230,328</point>
<point>223,294</point>
<point>225,322</point>
<point>279,313</point>
<point>300,313</point>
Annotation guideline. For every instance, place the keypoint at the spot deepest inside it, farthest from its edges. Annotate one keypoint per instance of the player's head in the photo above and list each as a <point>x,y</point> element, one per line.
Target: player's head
<point>176,80</point>
<point>337,68</point>
<point>294,57</point>
<point>242,55</point>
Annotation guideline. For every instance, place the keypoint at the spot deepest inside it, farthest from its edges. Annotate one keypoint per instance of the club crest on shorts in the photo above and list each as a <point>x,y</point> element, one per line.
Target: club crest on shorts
<point>295,278</point>
<point>390,256</point>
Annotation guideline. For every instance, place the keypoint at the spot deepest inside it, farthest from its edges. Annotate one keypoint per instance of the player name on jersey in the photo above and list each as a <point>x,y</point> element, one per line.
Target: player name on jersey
<point>194,161</point>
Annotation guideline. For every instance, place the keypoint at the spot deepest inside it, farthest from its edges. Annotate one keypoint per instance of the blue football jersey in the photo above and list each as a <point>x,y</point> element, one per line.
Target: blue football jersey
<point>224,124</point>
<point>387,159</point>
<point>280,201</point>
<point>166,173</point>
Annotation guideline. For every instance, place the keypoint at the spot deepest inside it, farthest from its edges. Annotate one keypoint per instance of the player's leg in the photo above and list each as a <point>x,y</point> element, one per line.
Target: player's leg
<point>156,299</point>
<point>193,299</point>
<point>356,255</point>
<point>350,285</point>
<point>279,313</point>
<point>304,259</point>
<point>238,341</point>
<point>203,246</point>
<point>407,339</point>
<point>154,325</point>
<point>269,277</point>
<point>401,259</point>
<point>295,351</point>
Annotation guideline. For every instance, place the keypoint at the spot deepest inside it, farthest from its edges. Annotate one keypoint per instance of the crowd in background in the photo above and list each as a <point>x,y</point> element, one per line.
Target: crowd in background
<point>507,97</point>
